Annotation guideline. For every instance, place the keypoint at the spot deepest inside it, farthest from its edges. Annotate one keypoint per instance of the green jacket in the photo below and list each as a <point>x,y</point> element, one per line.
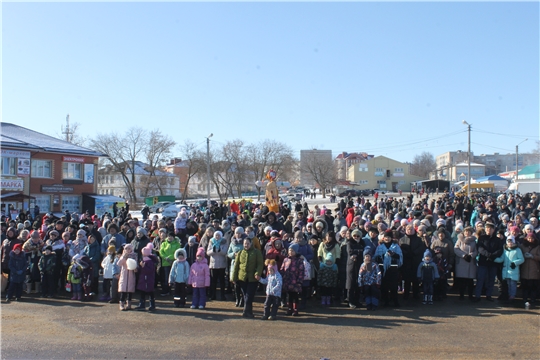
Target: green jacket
<point>167,250</point>
<point>247,265</point>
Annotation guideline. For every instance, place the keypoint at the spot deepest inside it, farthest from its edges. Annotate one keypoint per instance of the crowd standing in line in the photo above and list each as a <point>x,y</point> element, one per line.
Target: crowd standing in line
<point>359,254</point>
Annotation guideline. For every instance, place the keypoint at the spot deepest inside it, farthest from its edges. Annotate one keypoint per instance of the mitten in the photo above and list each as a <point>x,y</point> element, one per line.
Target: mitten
<point>512,266</point>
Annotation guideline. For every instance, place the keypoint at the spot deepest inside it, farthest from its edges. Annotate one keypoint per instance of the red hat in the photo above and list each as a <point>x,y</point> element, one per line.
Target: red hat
<point>17,246</point>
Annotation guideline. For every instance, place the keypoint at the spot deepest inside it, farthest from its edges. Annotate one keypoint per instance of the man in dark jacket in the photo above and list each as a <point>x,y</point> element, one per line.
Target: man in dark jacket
<point>413,249</point>
<point>490,247</point>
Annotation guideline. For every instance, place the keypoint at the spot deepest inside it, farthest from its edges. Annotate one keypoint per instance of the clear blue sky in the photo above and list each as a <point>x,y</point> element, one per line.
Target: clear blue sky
<point>391,79</point>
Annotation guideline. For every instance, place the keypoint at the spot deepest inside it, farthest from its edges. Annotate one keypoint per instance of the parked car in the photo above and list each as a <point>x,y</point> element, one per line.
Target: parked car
<point>348,192</point>
<point>159,206</point>
<point>173,209</point>
<point>202,203</point>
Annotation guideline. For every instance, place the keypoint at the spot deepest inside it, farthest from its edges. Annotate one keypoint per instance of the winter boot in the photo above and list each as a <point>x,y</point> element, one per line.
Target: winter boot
<point>122,306</point>
<point>295,309</point>
<point>28,288</point>
<point>128,306</point>
<point>323,300</point>
<point>79,296</point>
<point>430,299</point>
<point>74,296</point>
<point>290,309</point>
<point>424,300</point>
<point>142,305</point>
<point>152,305</point>
<point>38,287</point>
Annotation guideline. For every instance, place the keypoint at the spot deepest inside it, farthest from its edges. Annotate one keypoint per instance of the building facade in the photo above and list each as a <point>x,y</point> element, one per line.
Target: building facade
<point>381,173</point>
<point>111,182</point>
<point>38,169</point>
<point>345,160</point>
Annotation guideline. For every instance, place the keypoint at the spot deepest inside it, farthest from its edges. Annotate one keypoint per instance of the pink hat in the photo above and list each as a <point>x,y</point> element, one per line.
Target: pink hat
<point>147,250</point>
<point>201,252</point>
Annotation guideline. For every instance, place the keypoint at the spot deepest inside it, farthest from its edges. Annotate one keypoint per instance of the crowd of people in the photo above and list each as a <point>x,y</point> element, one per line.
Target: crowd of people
<point>358,254</point>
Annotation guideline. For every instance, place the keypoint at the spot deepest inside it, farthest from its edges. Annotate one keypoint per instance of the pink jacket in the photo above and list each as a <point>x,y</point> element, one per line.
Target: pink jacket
<point>199,274</point>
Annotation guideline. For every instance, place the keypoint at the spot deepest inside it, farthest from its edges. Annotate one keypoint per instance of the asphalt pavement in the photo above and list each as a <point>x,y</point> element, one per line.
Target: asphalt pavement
<point>59,328</point>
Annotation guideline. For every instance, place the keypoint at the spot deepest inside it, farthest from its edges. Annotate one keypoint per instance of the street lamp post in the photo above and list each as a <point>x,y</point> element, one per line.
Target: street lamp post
<point>469,161</point>
<point>516,178</point>
<point>208,170</point>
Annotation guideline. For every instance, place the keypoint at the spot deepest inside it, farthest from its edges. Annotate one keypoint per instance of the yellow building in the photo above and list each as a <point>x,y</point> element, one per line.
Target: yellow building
<point>381,173</point>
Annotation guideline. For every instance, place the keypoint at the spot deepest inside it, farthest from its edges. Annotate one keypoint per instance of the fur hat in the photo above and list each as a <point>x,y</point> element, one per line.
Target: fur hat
<point>179,252</point>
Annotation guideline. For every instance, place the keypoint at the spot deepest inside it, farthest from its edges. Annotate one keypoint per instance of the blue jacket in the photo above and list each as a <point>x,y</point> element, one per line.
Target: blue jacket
<point>273,284</point>
<point>17,266</point>
<point>511,255</point>
<point>382,251</point>
<point>179,269</point>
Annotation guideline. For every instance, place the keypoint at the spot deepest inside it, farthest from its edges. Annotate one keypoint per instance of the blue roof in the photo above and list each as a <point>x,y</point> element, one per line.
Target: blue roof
<point>18,137</point>
<point>491,178</point>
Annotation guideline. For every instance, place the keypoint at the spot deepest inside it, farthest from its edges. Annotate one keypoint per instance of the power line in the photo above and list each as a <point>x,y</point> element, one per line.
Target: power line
<point>506,135</point>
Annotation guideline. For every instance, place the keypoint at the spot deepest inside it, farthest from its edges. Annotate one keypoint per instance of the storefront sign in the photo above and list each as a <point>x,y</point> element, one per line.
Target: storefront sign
<point>56,189</point>
<point>16,154</point>
<point>23,167</point>
<point>17,184</point>
<point>73,159</point>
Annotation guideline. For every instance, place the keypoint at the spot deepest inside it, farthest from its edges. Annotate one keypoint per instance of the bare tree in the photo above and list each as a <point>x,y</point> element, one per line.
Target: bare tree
<point>423,164</point>
<point>195,162</point>
<point>124,153</point>
<point>158,150</point>
<point>269,154</point>
<point>73,136</point>
<point>322,171</point>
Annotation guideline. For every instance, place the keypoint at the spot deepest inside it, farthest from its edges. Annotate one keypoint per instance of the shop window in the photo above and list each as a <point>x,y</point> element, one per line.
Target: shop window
<point>71,203</point>
<point>44,202</point>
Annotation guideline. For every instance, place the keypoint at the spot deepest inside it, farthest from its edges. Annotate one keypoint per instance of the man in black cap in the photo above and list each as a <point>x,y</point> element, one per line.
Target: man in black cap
<point>490,247</point>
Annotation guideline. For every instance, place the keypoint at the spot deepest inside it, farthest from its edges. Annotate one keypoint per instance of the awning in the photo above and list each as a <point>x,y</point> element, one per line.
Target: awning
<point>108,198</point>
<point>15,196</point>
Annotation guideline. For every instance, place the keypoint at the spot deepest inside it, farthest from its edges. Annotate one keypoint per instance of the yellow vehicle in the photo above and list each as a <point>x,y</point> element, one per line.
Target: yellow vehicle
<point>484,187</point>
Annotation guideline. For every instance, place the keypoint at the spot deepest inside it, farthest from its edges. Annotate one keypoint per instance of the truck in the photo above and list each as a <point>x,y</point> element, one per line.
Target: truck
<point>524,187</point>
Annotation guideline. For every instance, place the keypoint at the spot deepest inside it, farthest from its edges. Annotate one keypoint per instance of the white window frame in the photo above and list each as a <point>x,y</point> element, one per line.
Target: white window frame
<point>11,168</point>
<point>38,164</point>
<point>69,170</point>
<point>44,202</point>
<point>72,203</point>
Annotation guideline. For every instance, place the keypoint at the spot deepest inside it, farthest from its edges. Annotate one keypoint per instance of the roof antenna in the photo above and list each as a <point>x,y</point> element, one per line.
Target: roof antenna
<point>67,131</point>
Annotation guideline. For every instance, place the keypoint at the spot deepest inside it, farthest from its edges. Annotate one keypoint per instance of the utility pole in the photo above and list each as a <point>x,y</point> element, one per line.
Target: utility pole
<point>208,170</point>
<point>67,131</point>
<point>469,162</point>
<point>516,178</point>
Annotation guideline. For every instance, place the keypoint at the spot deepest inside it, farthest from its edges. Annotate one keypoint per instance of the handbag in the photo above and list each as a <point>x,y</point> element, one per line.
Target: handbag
<point>68,287</point>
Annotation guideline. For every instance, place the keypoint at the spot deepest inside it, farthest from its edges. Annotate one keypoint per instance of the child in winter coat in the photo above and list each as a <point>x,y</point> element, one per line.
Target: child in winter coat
<point>74,277</point>
<point>87,277</point>
<point>443,268</point>
<point>293,276</point>
<point>147,277</point>
<point>47,264</point>
<point>511,259</point>
<point>179,276</point>
<point>191,250</point>
<point>17,266</point>
<point>108,263</point>
<point>427,273</point>
<point>273,283</point>
<point>369,280</point>
<point>126,282</point>
<point>327,278</point>
<point>199,279</point>
<point>115,277</point>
